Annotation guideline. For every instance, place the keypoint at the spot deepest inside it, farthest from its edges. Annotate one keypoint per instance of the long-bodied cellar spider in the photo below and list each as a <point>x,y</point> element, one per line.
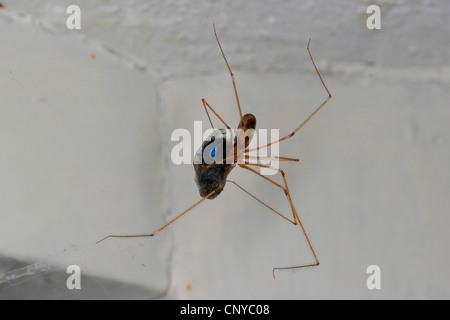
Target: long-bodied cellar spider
<point>226,154</point>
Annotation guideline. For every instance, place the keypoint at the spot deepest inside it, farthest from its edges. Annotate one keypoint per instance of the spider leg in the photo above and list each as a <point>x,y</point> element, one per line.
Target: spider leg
<point>166,225</point>
<point>206,104</point>
<point>231,72</point>
<point>307,119</point>
<point>294,212</point>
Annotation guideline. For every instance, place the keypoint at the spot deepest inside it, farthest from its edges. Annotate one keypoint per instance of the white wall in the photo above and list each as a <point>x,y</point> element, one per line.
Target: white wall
<point>85,127</point>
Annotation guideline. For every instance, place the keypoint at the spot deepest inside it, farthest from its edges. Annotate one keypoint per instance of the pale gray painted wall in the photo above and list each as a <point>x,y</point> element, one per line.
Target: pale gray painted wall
<point>85,125</point>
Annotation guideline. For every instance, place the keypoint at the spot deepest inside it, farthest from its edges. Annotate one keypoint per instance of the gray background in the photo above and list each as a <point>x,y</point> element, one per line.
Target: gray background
<point>85,124</point>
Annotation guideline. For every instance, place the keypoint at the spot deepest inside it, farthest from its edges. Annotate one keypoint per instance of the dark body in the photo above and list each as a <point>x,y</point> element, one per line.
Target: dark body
<point>217,156</point>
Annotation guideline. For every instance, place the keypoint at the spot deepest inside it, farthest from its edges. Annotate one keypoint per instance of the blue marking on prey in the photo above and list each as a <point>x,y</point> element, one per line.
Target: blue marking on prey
<point>213,152</point>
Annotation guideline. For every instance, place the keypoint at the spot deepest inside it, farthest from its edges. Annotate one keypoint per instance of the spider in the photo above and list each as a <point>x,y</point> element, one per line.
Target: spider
<point>219,154</point>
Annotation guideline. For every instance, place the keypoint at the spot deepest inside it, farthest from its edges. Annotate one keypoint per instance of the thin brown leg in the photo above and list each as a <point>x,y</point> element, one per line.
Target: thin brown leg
<point>233,156</point>
<point>266,205</point>
<point>294,212</point>
<point>307,119</point>
<point>231,72</point>
<point>207,113</point>
<point>247,157</point>
<point>206,104</point>
<point>163,227</point>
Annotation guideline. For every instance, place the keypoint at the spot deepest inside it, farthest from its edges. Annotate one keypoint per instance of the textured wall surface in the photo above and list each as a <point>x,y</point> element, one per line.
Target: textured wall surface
<point>85,136</point>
